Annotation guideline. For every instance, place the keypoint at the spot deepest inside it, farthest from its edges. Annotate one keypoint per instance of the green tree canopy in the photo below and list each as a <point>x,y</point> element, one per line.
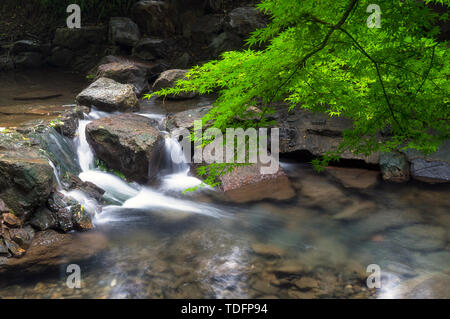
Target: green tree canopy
<point>322,56</point>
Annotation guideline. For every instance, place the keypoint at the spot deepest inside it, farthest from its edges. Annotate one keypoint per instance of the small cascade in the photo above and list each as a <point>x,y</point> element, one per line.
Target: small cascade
<point>55,172</point>
<point>84,152</point>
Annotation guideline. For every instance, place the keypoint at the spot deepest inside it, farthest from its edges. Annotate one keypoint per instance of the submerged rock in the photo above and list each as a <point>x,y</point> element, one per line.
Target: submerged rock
<point>109,95</point>
<point>428,286</point>
<point>354,177</point>
<point>168,79</point>
<point>51,249</point>
<point>128,143</point>
<point>125,73</point>
<point>420,237</point>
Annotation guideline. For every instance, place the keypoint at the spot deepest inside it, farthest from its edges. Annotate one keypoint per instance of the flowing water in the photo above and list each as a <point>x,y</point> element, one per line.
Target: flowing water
<point>163,243</point>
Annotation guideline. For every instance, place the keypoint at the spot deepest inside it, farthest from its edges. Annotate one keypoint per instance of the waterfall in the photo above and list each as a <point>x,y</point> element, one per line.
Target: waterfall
<point>55,172</point>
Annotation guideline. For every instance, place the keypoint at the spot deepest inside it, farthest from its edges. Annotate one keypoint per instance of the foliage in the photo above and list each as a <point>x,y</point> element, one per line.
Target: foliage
<point>103,167</point>
<point>320,55</point>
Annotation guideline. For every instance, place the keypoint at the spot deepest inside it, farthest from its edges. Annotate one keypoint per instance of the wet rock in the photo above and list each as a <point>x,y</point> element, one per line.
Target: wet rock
<point>68,213</point>
<point>125,73</point>
<point>287,268</point>
<point>109,95</point>
<point>128,143</point>
<point>22,236</point>
<point>434,168</point>
<point>245,20</point>
<point>11,220</point>
<point>420,237</point>
<point>295,294</point>
<point>306,283</point>
<point>90,189</point>
<point>14,248</point>
<point>317,190</point>
<point>76,39</point>
<point>154,18</point>
<point>247,183</point>
<point>354,177</point>
<point>43,219</point>
<point>226,41</point>
<point>123,31</point>
<point>3,249</point>
<point>26,178</point>
<point>187,118</point>
<point>264,287</point>
<point>6,63</point>
<point>394,167</point>
<point>51,249</point>
<point>67,123</point>
<point>267,250</point>
<point>28,60</point>
<point>168,79</point>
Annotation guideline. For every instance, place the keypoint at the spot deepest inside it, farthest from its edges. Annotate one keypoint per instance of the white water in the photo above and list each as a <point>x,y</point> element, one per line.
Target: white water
<point>175,177</point>
<point>56,174</point>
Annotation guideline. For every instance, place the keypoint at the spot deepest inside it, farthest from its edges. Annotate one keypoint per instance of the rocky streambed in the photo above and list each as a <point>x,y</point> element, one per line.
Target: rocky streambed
<point>300,234</point>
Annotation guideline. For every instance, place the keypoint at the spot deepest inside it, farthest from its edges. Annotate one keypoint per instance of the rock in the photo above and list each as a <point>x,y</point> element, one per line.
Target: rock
<point>88,188</point>
<point>11,220</point>
<point>387,218</point>
<point>14,248</point>
<point>244,20</point>
<point>125,73</point>
<point>51,249</point>
<point>434,168</point>
<point>267,250</point>
<point>264,287</point>
<point>6,63</point>
<point>68,121</point>
<point>76,39</point>
<point>226,41</point>
<point>168,79</point>
<point>306,283</point>
<point>428,286</point>
<point>27,46</point>
<point>128,143</point>
<point>109,95</point>
<point>420,237</point>
<point>317,190</point>
<point>394,167</point>
<point>43,219</point>
<point>28,60</point>
<point>247,183</point>
<point>3,249</point>
<point>149,49</point>
<point>187,118</point>
<point>302,130</point>
<point>3,207</point>
<point>123,31</point>
<point>357,210</point>
<point>60,57</point>
<point>154,18</point>
<point>26,177</point>
<point>22,236</point>
<point>354,177</point>
<point>68,213</point>
<point>288,268</point>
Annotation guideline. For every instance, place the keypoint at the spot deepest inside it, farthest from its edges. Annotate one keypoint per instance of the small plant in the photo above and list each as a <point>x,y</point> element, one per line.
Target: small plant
<point>102,166</point>
<point>56,122</point>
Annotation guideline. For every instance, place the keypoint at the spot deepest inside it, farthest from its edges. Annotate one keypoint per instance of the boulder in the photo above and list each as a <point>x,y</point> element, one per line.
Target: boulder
<point>226,41</point>
<point>27,46</point>
<point>76,39</point>
<point>60,57</point>
<point>123,31</point>
<point>247,184</point>
<point>125,73</point>
<point>168,79</point>
<point>26,179</point>
<point>152,69</point>
<point>154,18</point>
<point>434,168</point>
<point>149,49</point>
<point>394,167</point>
<point>245,20</point>
<point>11,220</point>
<point>128,143</point>
<point>109,95</point>
<point>43,219</point>
<point>187,118</point>
<point>50,249</point>
<point>22,236</point>
<point>303,130</point>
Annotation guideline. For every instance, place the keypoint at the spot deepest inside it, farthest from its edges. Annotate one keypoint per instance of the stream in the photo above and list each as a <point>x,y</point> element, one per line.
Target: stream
<point>163,243</point>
